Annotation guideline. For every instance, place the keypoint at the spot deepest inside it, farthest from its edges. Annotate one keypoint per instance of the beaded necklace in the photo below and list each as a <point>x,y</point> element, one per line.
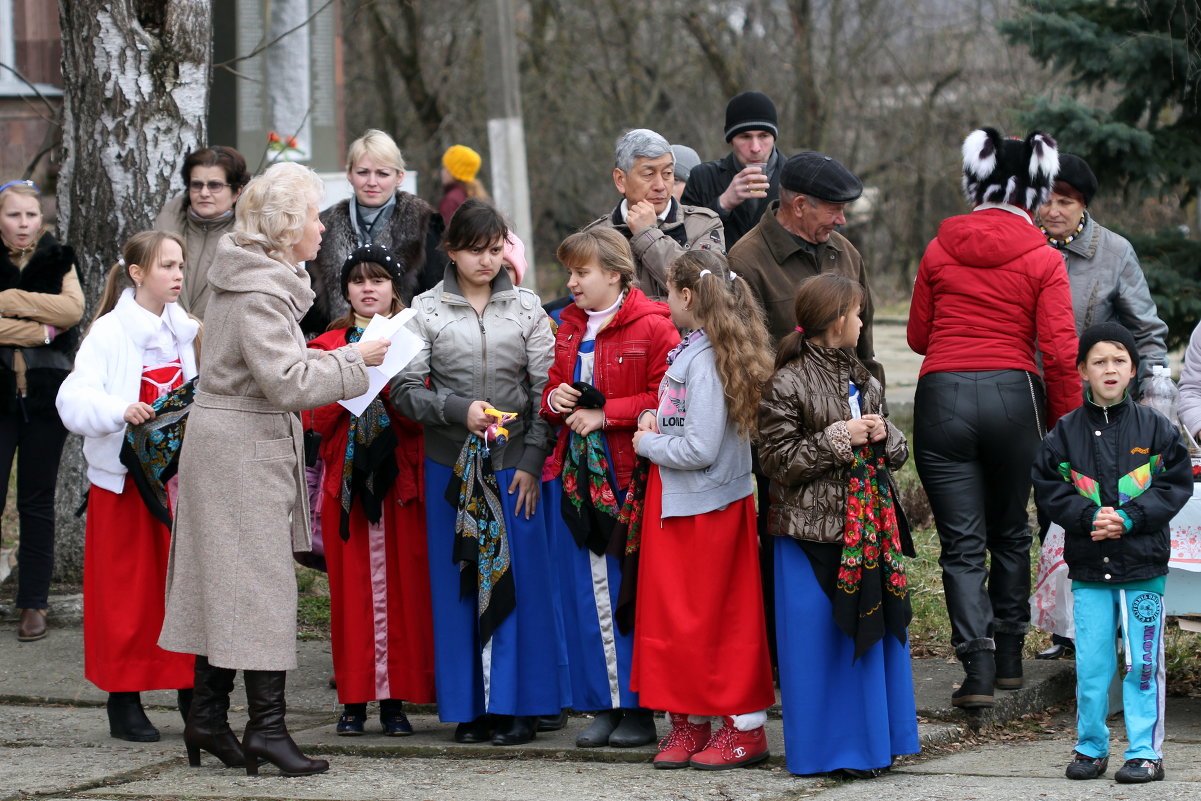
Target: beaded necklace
<point>1067,239</point>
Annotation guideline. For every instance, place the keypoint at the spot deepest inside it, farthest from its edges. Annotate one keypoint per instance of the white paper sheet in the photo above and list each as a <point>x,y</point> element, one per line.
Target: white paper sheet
<point>405,345</point>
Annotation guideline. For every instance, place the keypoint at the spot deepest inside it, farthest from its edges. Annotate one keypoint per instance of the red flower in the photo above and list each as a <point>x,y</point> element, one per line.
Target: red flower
<point>273,137</point>
<point>851,537</point>
<point>870,553</point>
<point>606,494</point>
<point>897,579</point>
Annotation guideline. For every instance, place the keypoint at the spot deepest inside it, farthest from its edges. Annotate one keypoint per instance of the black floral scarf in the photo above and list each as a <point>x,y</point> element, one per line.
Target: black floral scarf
<point>481,539</point>
<point>864,577</point>
<point>151,450</point>
<point>369,469</point>
<point>591,506</point>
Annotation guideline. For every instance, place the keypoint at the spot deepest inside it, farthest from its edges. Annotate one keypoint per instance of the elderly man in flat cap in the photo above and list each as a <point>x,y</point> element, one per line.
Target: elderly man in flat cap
<point>796,238</point>
<point>658,226</point>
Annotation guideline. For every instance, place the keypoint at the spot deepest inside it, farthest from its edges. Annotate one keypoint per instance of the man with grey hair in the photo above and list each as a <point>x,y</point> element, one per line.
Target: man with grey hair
<point>658,227</point>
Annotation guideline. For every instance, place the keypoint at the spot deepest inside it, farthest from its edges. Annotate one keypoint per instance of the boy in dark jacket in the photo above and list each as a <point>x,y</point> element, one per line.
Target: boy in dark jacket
<point>1113,474</point>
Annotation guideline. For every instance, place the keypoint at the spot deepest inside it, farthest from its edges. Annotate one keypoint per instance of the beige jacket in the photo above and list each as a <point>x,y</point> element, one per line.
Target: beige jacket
<point>200,240</point>
<point>25,315</point>
<point>243,507</point>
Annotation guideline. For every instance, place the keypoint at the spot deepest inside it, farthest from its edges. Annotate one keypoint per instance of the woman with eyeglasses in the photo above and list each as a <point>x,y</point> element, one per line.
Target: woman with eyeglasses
<point>213,179</point>
<point>41,303</point>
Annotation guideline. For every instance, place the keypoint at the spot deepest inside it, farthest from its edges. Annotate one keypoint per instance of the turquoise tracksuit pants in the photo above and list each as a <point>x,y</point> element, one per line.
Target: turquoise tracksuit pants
<point>1138,614</point>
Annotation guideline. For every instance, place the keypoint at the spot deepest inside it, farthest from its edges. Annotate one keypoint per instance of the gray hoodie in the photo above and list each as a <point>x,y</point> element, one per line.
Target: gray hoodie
<point>704,462</point>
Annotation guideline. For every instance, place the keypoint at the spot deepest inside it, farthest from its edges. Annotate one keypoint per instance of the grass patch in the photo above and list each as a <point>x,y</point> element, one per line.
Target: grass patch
<point>312,610</point>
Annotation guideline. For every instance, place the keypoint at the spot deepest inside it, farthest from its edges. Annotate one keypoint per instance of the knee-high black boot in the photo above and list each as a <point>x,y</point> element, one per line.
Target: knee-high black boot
<point>208,723</point>
<point>266,737</point>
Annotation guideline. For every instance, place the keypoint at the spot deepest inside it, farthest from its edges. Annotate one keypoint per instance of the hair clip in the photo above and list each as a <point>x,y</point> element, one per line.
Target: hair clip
<point>799,330</point>
<point>704,273</point>
<point>733,275</point>
<point>28,183</point>
<point>121,261</point>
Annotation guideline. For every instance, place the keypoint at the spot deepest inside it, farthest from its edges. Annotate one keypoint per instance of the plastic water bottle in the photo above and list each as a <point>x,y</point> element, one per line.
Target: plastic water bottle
<point>1160,392</point>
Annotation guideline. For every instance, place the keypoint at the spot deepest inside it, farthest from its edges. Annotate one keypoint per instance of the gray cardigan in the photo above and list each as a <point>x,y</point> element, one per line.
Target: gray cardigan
<point>1108,286</point>
<point>704,462</point>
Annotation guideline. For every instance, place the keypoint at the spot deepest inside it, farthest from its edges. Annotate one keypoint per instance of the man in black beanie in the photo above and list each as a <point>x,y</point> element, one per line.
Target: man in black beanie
<point>740,186</point>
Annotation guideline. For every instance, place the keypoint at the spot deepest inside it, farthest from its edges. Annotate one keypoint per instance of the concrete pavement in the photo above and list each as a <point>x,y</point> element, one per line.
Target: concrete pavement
<point>54,744</point>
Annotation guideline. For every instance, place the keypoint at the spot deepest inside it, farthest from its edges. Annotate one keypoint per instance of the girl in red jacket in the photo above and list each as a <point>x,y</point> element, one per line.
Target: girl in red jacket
<point>373,524</point>
<point>610,355</point>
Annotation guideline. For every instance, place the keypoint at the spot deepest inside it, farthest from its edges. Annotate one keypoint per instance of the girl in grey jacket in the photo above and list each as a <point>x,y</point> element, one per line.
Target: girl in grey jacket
<point>700,640</point>
<point>487,346</point>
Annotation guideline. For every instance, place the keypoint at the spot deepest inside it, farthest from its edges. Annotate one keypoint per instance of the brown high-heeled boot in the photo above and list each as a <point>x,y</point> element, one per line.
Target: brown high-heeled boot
<point>266,737</point>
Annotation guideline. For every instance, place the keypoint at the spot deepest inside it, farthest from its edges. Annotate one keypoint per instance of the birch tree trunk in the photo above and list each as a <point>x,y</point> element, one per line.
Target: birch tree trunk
<point>136,79</point>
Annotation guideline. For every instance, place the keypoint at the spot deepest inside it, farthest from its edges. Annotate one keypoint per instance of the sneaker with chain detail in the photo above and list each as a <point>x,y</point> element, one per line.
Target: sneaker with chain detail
<point>1086,767</point>
<point>1140,771</point>
<point>684,740</point>
<point>731,748</point>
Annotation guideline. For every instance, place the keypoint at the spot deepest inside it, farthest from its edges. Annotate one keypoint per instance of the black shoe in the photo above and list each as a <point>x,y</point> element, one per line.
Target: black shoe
<point>1140,771</point>
<point>393,719</point>
<point>637,728</point>
<point>1008,659</point>
<point>1086,767</point>
<point>976,690</point>
<point>1056,651</point>
<point>477,731</point>
<point>351,725</point>
<point>266,737</point>
<point>515,730</point>
<point>872,773</point>
<point>552,722</point>
<point>127,719</point>
<point>597,735</point>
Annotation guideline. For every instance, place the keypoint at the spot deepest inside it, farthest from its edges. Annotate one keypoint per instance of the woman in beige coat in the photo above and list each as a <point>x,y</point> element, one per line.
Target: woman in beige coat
<point>243,508</point>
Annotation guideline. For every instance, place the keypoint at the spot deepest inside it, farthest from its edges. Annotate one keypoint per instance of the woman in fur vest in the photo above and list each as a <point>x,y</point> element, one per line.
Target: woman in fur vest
<point>41,303</point>
<point>378,213</point>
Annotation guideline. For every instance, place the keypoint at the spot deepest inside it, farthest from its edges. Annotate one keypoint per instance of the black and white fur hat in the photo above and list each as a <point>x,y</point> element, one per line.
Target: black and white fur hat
<point>1001,170</point>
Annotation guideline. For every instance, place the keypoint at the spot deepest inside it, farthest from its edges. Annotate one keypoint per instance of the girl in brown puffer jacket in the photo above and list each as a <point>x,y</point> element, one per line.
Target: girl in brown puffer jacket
<point>842,606</point>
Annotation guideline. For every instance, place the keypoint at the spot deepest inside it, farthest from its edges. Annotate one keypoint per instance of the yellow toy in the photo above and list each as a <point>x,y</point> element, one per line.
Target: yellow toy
<point>496,435</point>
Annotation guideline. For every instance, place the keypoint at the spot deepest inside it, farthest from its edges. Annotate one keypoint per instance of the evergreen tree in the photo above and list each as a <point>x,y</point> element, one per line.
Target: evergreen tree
<point>1135,72</point>
<point>1133,111</point>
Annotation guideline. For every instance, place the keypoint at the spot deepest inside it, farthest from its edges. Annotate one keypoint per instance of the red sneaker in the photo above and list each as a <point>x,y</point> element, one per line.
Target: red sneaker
<point>731,748</point>
<point>684,740</point>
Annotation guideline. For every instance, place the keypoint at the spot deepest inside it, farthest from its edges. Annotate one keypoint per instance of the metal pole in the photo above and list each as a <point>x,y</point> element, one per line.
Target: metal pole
<point>506,132</point>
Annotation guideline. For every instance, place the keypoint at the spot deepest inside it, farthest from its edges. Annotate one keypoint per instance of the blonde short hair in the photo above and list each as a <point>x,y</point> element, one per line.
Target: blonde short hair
<point>274,206</point>
<point>379,146</point>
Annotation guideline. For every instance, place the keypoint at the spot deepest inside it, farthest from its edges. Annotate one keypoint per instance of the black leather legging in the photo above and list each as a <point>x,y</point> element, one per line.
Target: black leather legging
<point>976,435</point>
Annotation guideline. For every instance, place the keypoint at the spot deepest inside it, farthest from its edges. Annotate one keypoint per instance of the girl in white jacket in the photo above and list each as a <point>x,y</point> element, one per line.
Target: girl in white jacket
<point>139,347</point>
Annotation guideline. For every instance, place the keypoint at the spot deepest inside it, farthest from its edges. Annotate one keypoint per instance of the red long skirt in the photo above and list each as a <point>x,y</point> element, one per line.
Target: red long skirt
<point>381,625</point>
<point>700,638</point>
<point>124,587</point>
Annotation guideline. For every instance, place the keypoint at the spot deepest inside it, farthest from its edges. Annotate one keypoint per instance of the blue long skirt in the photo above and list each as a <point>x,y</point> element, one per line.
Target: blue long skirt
<point>552,491</point>
<point>599,654</point>
<point>522,658</point>
<point>837,713</point>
